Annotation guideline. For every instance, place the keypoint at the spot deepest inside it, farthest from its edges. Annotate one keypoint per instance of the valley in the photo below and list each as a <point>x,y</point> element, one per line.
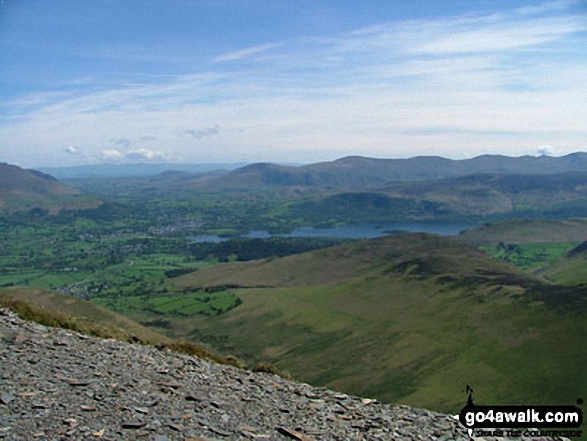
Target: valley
<point>405,317</point>
<point>304,220</point>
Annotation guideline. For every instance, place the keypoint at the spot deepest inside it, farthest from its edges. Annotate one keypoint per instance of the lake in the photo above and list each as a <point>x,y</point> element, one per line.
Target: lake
<point>363,231</point>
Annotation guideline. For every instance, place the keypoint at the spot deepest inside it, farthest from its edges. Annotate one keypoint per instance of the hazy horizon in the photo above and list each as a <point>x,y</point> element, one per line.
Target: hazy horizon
<point>209,166</point>
<point>227,81</point>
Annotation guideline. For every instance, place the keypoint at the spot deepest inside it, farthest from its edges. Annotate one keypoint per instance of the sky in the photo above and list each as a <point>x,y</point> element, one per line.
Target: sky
<point>289,81</point>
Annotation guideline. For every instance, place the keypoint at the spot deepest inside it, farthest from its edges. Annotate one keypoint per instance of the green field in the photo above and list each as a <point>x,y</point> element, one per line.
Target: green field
<point>532,256</point>
<point>185,304</point>
<point>570,268</point>
<point>126,266</point>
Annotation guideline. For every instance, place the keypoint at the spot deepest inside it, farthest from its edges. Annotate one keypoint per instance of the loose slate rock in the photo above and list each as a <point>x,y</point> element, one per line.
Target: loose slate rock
<point>133,425</point>
<point>6,398</point>
<point>142,393</point>
<point>292,434</point>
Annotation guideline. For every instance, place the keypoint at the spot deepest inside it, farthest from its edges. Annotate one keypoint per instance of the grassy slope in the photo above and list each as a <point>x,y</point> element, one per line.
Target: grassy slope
<point>55,309</point>
<point>487,194</point>
<point>527,231</point>
<point>542,246</point>
<point>26,189</point>
<point>84,311</point>
<point>409,319</point>
<point>569,269</point>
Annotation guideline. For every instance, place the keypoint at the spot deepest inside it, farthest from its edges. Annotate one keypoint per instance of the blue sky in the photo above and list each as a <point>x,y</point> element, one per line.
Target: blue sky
<point>289,81</point>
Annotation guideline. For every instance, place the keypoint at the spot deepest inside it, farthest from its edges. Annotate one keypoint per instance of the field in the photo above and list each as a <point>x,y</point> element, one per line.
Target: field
<point>185,304</point>
<point>530,256</point>
<point>126,264</point>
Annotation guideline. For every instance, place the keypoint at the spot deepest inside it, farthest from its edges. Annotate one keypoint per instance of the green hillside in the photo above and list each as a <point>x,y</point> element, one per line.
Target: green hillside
<point>560,195</point>
<point>527,231</point>
<point>407,319</point>
<point>473,197</point>
<point>86,314</point>
<point>570,268</point>
<point>25,190</point>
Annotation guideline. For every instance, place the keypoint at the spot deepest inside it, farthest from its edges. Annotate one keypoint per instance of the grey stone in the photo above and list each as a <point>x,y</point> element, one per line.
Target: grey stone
<point>106,390</point>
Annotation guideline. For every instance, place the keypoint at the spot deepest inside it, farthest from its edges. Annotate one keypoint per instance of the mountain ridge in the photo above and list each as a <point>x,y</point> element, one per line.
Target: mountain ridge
<point>363,172</point>
<point>346,172</point>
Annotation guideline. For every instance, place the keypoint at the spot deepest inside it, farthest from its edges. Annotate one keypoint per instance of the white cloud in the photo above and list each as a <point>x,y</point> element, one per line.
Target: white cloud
<point>145,155</point>
<point>73,150</point>
<point>112,155</point>
<point>491,37</point>
<point>244,53</point>
<point>545,150</point>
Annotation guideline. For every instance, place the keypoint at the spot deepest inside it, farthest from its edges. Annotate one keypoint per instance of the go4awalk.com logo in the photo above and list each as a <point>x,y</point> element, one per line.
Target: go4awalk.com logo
<point>513,421</point>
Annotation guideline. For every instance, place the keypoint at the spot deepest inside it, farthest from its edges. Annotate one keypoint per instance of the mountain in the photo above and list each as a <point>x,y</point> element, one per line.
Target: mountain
<point>22,190</point>
<point>356,172</point>
<point>484,194</point>
<point>408,318</point>
<point>472,197</point>
<point>18,180</point>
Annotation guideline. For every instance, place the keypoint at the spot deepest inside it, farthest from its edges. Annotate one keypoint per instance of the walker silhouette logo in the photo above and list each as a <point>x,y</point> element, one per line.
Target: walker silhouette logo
<point>474,417</point>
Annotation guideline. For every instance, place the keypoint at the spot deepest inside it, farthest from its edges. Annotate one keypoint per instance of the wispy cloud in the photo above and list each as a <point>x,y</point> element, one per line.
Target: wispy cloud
<point>547,6</point>
<point>203,133</point>
<point>492,37</point>
<point>477,82</point>
<point>145,155</point>
<point>247,52</point>
<point>465,34</point>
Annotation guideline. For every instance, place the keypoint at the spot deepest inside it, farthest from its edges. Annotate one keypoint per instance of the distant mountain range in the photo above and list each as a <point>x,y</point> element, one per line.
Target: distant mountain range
<point>133,170</point>
<point>345,173</point>
<point>423,187</point>
<point>500,193</point>
<point>356,172</point>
